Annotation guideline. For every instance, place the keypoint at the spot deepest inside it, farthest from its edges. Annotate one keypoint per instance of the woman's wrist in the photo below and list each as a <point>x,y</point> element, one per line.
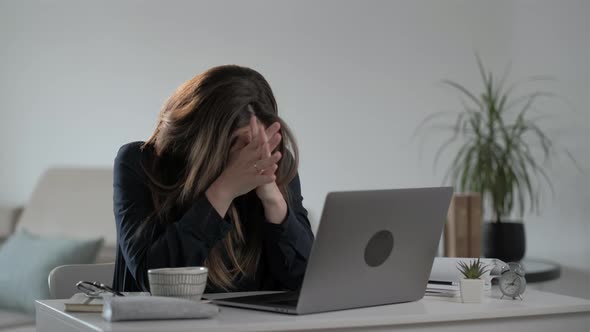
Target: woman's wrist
<point>219,196</point>
<point>273,200</point>
<point>275,210</point>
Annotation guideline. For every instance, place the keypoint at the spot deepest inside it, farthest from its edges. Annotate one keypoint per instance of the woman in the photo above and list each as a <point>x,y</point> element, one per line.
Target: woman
<point>215,185</point>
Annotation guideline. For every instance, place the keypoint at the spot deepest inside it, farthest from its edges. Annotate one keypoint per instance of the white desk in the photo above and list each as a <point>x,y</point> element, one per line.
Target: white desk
<point>538,312</point>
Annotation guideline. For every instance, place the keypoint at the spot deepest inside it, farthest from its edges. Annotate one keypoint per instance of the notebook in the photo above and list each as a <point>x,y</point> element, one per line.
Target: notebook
<point>80,302</point>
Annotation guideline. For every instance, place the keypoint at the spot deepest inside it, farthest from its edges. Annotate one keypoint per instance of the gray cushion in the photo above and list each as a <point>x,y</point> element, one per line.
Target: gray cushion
<point>12,319</point>
<point>72,202</point>
<point>26,261</point>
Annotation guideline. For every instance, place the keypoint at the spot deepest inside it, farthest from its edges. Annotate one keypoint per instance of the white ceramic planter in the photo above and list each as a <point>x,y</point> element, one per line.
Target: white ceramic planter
<point>471,290</point>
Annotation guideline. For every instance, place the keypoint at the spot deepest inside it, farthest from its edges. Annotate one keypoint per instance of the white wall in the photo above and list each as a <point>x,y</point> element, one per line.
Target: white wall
<point>560,48</point>
<point>353,79</point>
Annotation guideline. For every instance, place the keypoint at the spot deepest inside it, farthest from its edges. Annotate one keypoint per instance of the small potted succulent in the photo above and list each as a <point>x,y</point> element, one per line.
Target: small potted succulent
<point>472,284</point>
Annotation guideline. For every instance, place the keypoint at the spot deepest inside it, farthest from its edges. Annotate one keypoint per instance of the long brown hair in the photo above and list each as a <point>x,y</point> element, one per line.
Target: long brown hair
<point>194,129</point>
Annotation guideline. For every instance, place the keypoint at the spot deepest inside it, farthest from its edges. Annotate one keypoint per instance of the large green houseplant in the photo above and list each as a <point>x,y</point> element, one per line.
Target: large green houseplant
<point>497,157</point>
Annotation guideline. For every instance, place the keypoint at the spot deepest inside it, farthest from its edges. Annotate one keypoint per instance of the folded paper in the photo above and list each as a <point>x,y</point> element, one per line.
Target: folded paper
<point>120,308</point>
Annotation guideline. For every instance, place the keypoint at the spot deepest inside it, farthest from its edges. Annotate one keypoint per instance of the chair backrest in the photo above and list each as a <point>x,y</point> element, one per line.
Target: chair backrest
<point>63,279</point>
<point>76,203</point>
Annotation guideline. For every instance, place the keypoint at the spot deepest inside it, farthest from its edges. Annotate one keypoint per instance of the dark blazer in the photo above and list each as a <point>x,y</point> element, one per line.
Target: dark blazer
<point>187,241</point>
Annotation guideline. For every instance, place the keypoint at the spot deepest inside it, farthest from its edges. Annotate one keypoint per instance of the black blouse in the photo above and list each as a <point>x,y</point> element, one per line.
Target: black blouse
<point>187,241</point>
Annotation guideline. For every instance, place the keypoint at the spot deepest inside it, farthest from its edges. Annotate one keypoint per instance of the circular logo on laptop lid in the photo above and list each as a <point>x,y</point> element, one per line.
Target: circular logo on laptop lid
<point>379,248</point>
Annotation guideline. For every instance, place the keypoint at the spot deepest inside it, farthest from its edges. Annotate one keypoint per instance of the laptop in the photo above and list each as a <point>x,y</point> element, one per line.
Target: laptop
<point>372,248</point>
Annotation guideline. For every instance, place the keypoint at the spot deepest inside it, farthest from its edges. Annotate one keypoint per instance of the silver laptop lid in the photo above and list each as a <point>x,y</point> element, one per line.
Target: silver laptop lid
<point>374,247</point>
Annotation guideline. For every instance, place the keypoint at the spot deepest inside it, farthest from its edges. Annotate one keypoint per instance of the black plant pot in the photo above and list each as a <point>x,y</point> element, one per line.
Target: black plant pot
<point>504,240</point>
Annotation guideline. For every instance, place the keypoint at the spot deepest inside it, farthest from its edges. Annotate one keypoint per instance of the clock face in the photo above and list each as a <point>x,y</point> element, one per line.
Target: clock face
<point>511,284</point>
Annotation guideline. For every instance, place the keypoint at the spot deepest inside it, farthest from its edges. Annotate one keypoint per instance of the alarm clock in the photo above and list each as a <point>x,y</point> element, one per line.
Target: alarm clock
<point>512,282</point>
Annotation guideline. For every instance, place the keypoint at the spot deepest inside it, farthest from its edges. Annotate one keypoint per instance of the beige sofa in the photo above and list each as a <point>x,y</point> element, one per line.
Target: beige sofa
<point>72,202</point>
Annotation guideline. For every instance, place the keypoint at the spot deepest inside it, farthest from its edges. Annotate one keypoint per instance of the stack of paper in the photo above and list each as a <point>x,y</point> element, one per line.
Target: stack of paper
<point>450,289</point>
<point>441,289</point>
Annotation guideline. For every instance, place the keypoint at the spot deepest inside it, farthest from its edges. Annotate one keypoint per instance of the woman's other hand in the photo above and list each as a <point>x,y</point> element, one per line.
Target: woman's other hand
<point>275,207</point>
<point>245,171</point>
